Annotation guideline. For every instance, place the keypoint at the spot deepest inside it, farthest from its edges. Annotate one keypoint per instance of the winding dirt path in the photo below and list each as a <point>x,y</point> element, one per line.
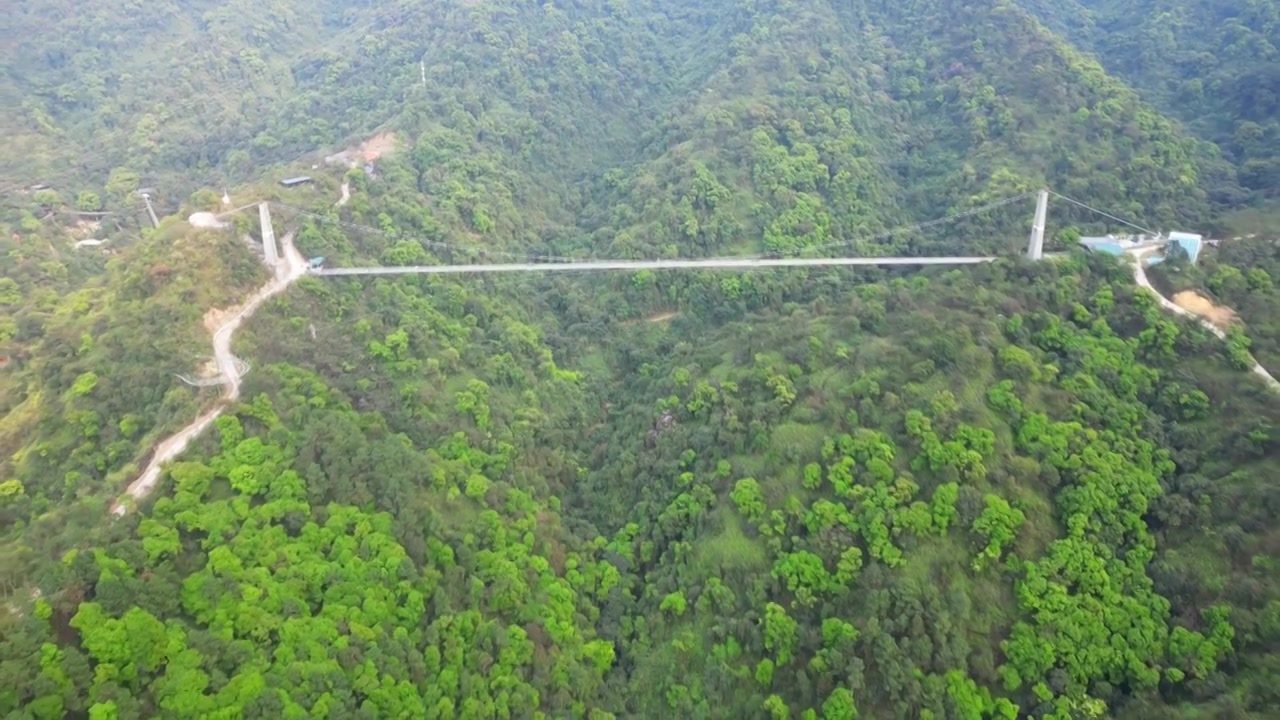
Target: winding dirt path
<point>290,267</point>
<point>1140,277</point>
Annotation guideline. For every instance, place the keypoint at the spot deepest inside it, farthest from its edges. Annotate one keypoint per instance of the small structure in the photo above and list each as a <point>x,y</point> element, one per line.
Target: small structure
<point>315,263</point>
<point>1110,244</point>
<point>206,220</point>
<point>296,181</point>
<point>1189,242</point>
<point>146,193</point>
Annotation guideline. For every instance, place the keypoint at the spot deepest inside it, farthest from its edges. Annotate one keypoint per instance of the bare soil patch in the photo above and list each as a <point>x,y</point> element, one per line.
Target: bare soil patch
<point>377,146</point>
<point>366,152</point>
<point>1193,301</point>
<point>84,228</point>
<point>209,369</point>
<point>215,318</point>
<point>655,318</point>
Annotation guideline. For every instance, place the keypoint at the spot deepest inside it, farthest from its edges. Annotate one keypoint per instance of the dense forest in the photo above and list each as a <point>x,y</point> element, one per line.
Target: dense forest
<point>1002,491</point>
<point>1213,64</point>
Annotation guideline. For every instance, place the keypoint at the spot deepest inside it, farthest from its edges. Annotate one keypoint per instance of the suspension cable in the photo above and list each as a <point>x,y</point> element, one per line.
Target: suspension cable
<point>1107,215</point>
<point>428,243</point>
<point>919,226</point>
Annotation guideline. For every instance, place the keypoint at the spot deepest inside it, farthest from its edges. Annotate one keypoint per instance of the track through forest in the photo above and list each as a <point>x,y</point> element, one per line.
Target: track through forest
<point>1140,277</point>
<point>290,267</point>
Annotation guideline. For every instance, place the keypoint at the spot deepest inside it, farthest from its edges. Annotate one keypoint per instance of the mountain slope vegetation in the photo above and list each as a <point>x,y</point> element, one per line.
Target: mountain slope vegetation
<point>1016,490</point>
<point>1213,65</point>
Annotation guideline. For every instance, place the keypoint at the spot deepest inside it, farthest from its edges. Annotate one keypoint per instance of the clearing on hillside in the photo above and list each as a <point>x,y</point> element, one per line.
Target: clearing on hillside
<point>366,152</point>
<point>1191,300</point>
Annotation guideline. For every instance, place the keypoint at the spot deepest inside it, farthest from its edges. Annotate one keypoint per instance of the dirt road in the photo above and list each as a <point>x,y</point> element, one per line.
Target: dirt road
<point>290,267</point>
<point>1140,277</point>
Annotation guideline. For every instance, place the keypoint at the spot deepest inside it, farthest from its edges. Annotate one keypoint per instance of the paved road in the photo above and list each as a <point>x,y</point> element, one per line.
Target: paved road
<point>1140,277</point>
<point>708,264</point>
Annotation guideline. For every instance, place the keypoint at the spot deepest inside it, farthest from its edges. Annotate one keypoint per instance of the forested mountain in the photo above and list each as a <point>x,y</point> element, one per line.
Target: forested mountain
<point>1016,490</point>
<point>192,92</point>
<point>154,87</point>
<point>1213,64</point>
<point>220,89</point>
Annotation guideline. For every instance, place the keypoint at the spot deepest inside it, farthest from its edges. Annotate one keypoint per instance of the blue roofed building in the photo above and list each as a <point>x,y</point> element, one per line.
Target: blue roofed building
<point>1109,244</point>
<point>1110,248</point>
<point>1189,242</point>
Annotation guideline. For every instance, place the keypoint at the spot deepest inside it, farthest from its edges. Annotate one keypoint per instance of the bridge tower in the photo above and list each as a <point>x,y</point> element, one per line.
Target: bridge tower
<point>268,235</point>
<point>1035,247</point>
<point>146,198</point>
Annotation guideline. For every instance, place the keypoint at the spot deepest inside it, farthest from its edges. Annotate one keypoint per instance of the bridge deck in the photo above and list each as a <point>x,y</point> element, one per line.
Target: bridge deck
<point>707,264</point>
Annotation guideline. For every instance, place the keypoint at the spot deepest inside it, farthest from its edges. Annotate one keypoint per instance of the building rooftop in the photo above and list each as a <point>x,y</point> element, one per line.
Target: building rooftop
<point>1111,248</point>
<point>1124,241</point>
<point>1190,242</point>
<point>1111,244</point>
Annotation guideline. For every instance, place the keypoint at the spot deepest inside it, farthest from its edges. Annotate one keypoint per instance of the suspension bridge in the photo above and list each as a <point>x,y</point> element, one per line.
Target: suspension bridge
<point>707,264</point>
<point>288,265</point>
<point>549,264</point>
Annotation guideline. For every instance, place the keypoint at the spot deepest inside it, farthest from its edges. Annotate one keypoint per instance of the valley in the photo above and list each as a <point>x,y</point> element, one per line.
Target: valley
<point>773,413</point>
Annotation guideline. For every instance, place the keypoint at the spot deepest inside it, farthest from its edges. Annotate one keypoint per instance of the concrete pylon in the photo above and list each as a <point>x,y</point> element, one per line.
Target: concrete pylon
<point>268,235</point>
<point>1035,247</point>
<point>155,221</point>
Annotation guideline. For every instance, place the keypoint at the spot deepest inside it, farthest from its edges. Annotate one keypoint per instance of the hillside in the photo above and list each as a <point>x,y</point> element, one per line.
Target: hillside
<point>181,85</point>
<point>1215,66</point>
<point>223,91</point>
<point>238,87</point>
<point>1016,490</point>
